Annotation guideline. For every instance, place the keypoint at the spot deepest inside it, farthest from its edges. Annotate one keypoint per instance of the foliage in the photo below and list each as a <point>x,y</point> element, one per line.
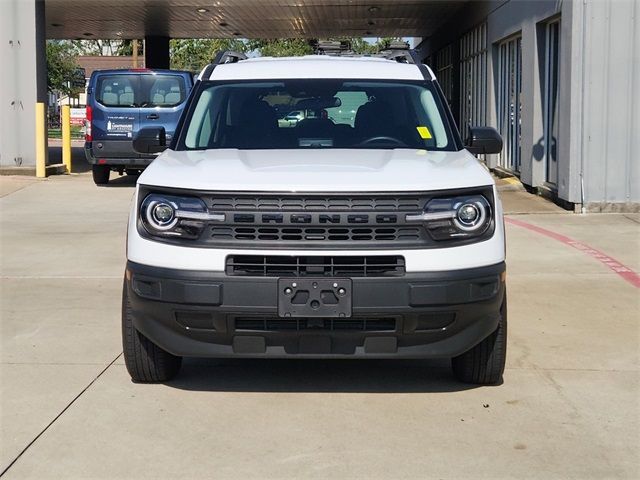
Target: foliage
<point>61,68</point>
<point>125,48</point>
<point>95,47</point>
<point>281,47</point>
<point>291,47</point>
<point>195,54</point>
<point>362,47</point>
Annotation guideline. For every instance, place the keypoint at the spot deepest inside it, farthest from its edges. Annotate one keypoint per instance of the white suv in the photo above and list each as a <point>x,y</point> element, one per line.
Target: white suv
<point>366,230</point>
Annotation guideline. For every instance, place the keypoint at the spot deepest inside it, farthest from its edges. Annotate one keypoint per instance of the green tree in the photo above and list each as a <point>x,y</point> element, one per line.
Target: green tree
<point>61,67</point>
<point>125,48</point>
<point>282,47</point>
<point>195,54</point>
<point>362,47</point>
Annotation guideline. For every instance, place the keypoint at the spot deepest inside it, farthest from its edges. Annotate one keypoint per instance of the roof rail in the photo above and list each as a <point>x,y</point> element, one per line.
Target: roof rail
<point>402,56</point>
<point>228,56</point>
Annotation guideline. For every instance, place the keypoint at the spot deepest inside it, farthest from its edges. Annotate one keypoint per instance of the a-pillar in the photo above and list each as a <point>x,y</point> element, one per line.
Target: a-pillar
<point>23,79</point>
<point>156,52</point>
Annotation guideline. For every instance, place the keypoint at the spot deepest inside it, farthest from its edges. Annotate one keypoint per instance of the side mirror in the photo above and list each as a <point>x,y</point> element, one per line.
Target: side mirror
<point>483,140</point>
<point>150,140</point>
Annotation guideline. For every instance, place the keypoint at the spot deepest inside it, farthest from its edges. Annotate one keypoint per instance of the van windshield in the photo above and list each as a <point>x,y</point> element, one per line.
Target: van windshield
<point>317,113</point>
<point>144,90</point>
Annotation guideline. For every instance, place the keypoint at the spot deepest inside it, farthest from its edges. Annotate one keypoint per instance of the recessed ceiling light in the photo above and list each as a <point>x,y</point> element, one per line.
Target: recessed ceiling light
<point>202,10</point>
<point>373,9</point>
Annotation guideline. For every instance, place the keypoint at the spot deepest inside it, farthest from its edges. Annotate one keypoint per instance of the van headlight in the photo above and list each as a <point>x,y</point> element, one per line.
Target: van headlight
<point>173,216</point>
<point>455,217</point>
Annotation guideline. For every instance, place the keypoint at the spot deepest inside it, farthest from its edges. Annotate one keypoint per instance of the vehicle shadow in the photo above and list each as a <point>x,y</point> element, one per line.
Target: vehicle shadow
<point>117,181</point>
<point>317,376</point>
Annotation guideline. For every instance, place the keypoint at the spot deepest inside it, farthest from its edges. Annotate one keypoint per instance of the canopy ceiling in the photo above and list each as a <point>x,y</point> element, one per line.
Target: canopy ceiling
<point>69,19</point>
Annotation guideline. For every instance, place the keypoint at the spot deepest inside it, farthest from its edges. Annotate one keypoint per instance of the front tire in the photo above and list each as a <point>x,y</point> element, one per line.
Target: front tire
<point>484,363</point>
<point>101,174</point>
<point>145,361</point>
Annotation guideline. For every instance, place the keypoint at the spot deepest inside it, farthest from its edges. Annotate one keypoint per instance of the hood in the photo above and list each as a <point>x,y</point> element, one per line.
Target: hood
<point>321,170</point>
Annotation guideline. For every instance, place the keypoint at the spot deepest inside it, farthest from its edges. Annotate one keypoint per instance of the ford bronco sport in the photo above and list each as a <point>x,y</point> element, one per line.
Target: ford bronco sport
<point>365,230</point>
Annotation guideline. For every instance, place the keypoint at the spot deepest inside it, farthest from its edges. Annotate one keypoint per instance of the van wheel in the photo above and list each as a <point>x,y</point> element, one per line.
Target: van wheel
<point>145,361</point>
<point>484,363</point>
<point>101,174</point>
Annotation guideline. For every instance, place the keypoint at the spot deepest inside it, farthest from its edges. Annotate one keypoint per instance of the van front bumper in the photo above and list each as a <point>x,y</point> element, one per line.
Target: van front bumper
<point>417,315</point>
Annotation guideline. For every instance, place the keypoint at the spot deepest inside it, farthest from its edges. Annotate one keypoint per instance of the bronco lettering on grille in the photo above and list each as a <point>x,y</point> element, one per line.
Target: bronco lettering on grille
<point>321,218</point>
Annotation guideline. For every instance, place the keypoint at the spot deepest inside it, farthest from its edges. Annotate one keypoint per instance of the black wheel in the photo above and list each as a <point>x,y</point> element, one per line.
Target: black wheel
<point>101,174</point>
<point>145,361</point>
<point>484,363</point>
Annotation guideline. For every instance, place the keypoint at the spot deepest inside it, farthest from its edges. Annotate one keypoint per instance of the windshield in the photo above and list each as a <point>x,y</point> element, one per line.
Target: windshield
<point>299,114</point>
<point>145,90</point>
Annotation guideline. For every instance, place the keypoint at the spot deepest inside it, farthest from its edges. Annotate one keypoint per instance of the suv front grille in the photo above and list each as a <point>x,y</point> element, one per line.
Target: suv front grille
<point>316,234</point>
<point>276,324</point>
<point>315,266</point>
<point>316,221</point>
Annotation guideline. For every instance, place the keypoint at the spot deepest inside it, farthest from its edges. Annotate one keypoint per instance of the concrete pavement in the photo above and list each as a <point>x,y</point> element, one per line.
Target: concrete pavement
<point>568,407</point>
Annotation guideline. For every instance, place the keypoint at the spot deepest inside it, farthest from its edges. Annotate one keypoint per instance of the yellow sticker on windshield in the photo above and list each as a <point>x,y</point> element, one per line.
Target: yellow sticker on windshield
<point>424,132</point>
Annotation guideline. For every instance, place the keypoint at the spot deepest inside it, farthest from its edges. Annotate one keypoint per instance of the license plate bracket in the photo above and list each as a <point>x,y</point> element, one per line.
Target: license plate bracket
<point>321,297</point>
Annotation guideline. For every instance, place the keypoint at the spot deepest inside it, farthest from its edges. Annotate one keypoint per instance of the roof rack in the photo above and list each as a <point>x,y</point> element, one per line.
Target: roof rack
<point>228,56</point>
<point>332,47</point>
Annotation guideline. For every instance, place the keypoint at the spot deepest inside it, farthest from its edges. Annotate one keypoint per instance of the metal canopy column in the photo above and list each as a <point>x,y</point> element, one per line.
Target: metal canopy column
<point>24,79</point>
<point>156,52</point>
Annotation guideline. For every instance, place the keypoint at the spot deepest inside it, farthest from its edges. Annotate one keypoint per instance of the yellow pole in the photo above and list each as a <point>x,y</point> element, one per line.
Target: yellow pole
<point>41,136</point>
<point>66,137</point>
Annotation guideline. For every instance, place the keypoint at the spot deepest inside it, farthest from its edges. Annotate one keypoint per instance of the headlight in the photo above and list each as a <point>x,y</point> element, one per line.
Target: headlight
<point>455,217</point>
<point>173,216</point>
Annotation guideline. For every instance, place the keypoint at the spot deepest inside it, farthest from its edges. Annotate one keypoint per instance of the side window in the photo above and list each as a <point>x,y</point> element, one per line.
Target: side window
<point>117,91</point>
<point>200,128</point>
<point>346,112</point>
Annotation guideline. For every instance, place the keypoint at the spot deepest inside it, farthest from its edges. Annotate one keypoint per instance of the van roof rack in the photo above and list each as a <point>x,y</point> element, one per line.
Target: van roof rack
<point>228,56</point>
<point>332,47</point>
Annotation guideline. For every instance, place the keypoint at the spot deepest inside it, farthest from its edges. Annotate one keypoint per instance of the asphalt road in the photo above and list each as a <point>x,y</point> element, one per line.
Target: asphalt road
<point>568,408</point>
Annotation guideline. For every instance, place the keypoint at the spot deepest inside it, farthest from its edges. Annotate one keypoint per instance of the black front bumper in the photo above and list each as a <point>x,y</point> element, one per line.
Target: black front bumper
<point>417,315</point>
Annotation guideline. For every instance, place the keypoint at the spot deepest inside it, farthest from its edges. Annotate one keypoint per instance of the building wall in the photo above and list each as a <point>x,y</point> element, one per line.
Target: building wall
<point>596,125</point>
<point>608,124</point>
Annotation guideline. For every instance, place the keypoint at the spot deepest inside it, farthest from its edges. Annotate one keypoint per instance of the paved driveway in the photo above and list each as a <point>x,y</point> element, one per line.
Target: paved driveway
<point>568,408</point>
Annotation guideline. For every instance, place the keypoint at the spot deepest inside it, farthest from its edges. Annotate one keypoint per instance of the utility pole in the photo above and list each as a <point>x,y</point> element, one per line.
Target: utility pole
<point>135,53</point>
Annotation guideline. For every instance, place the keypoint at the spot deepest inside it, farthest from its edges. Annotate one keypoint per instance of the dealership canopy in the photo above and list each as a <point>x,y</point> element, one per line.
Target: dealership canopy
<point>246,18</point>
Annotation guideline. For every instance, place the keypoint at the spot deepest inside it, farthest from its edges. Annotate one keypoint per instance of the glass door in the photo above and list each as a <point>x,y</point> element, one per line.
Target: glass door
<point>510,102</point>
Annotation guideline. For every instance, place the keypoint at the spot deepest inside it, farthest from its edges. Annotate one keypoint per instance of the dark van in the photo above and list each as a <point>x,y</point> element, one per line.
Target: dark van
<point>121,102</point>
